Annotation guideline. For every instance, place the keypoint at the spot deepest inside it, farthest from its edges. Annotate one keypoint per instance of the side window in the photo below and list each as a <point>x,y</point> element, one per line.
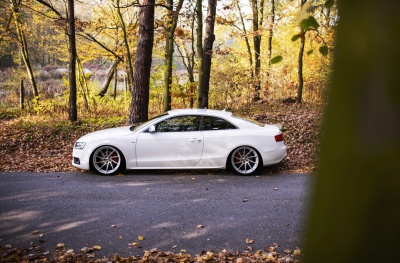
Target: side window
<point>213,123</point>
<point>179,124</point>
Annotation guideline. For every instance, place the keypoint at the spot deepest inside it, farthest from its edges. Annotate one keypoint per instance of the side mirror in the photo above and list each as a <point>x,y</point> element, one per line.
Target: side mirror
<point>152,129</point>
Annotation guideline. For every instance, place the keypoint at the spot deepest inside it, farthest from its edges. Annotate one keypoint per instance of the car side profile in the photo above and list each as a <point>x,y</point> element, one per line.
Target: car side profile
<point>183,139</point>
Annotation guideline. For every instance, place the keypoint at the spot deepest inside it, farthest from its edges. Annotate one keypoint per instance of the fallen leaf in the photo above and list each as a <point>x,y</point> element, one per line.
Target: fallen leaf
<point>200,226</point>
<point>96,247</point>
<point>297,252</point>
<point>35,232</point>
<point>275,189</point>
<point>60,245</point>
<point>249,241</point>
<point>86,250</point>
<point>245,200</point>
<point>140,238</point>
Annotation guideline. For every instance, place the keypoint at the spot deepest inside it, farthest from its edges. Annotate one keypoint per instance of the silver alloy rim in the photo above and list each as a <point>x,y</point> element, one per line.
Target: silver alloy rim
<point>106,160</point>
<point>245,160</point>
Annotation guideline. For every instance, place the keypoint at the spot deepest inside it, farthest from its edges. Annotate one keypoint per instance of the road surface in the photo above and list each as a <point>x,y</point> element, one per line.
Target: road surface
<point>168,210</point>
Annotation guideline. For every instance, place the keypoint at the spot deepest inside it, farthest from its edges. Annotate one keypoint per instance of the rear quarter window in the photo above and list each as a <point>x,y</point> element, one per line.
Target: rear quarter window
<point>210,123</point>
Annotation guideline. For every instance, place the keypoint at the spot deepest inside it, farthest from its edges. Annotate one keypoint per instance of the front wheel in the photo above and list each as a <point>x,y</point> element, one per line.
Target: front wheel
<point>245,160</point>
<point>107,160</point>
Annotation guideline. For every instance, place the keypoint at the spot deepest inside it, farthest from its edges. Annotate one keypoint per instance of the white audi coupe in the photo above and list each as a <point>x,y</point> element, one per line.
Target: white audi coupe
<point>183,139</point>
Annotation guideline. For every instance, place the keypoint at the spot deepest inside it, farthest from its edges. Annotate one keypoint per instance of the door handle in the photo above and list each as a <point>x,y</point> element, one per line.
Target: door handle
<point>195,140</point>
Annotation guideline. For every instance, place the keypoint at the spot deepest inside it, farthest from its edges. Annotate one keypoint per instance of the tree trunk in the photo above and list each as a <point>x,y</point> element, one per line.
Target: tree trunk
<point>199,46</point>
<point>250,55</point>
<point>300,61</point>
<point>21,94</point>
<point>270,37</point>
<point>110,75</point>
<point>169,47</point>
<point>300,70</point>
<point>207,50</point>
<point>257,21</point>
<point>354,213</point>
<point>128,51</point>
<point>140,96</point>
<point>115,80</point>
<point>72,110</point>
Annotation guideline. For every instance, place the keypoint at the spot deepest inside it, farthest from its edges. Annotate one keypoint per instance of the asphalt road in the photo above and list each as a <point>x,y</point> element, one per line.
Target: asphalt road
<point>165,208</point>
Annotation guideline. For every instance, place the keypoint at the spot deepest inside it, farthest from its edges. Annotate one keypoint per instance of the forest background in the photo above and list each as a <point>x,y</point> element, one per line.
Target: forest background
<point>271,61</point>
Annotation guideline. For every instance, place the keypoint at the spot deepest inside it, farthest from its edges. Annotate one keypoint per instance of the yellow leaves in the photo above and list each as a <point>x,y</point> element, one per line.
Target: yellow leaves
<point>140,238</point>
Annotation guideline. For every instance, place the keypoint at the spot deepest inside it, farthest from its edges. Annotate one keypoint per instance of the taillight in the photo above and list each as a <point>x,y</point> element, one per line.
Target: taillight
<point>279,137</point>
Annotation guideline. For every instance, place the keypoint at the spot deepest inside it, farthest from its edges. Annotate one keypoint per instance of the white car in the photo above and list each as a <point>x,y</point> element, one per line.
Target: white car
<point>183,139</point>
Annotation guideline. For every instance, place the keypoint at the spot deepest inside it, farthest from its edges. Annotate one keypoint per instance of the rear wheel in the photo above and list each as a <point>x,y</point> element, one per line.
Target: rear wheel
<point>245,160</point>
<point>107,160</point>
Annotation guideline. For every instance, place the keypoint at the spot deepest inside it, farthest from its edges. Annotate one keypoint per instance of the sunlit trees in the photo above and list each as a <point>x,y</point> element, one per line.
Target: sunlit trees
<point>16,15</point>
<point>107,35</point>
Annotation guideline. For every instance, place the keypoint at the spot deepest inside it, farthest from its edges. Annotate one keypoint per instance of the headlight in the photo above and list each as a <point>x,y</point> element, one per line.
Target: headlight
<point>79,145</point>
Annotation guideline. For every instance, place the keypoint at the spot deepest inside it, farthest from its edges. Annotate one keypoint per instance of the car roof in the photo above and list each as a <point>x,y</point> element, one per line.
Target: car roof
<point>220,113</point>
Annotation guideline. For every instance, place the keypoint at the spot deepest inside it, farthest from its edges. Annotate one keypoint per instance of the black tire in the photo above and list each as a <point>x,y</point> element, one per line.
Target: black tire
<point>245,160</point>
<point>107,160</point>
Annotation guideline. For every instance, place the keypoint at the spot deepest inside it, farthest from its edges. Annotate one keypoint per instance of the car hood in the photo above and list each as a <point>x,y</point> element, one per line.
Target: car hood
<point>107,133</point>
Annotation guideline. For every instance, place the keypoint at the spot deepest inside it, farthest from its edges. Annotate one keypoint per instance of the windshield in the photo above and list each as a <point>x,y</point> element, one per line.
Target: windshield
<point>139,125</point>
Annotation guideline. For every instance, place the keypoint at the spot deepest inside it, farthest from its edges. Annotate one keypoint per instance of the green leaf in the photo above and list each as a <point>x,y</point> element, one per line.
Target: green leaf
<point>324,50</point>
<point>305,24</point>
<point>310,52</point>
<point>308,23</point>
<point>295,37</point>
<point>329,4</point>
<point>313,22</point>
<point>276,59</point>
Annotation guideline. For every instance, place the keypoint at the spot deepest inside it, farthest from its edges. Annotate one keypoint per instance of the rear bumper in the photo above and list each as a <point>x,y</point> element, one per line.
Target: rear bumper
<point>275,156</point>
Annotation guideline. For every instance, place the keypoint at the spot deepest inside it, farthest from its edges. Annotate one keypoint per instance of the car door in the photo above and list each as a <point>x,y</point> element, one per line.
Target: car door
<point>176,142</point>
<point>220,138</point>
